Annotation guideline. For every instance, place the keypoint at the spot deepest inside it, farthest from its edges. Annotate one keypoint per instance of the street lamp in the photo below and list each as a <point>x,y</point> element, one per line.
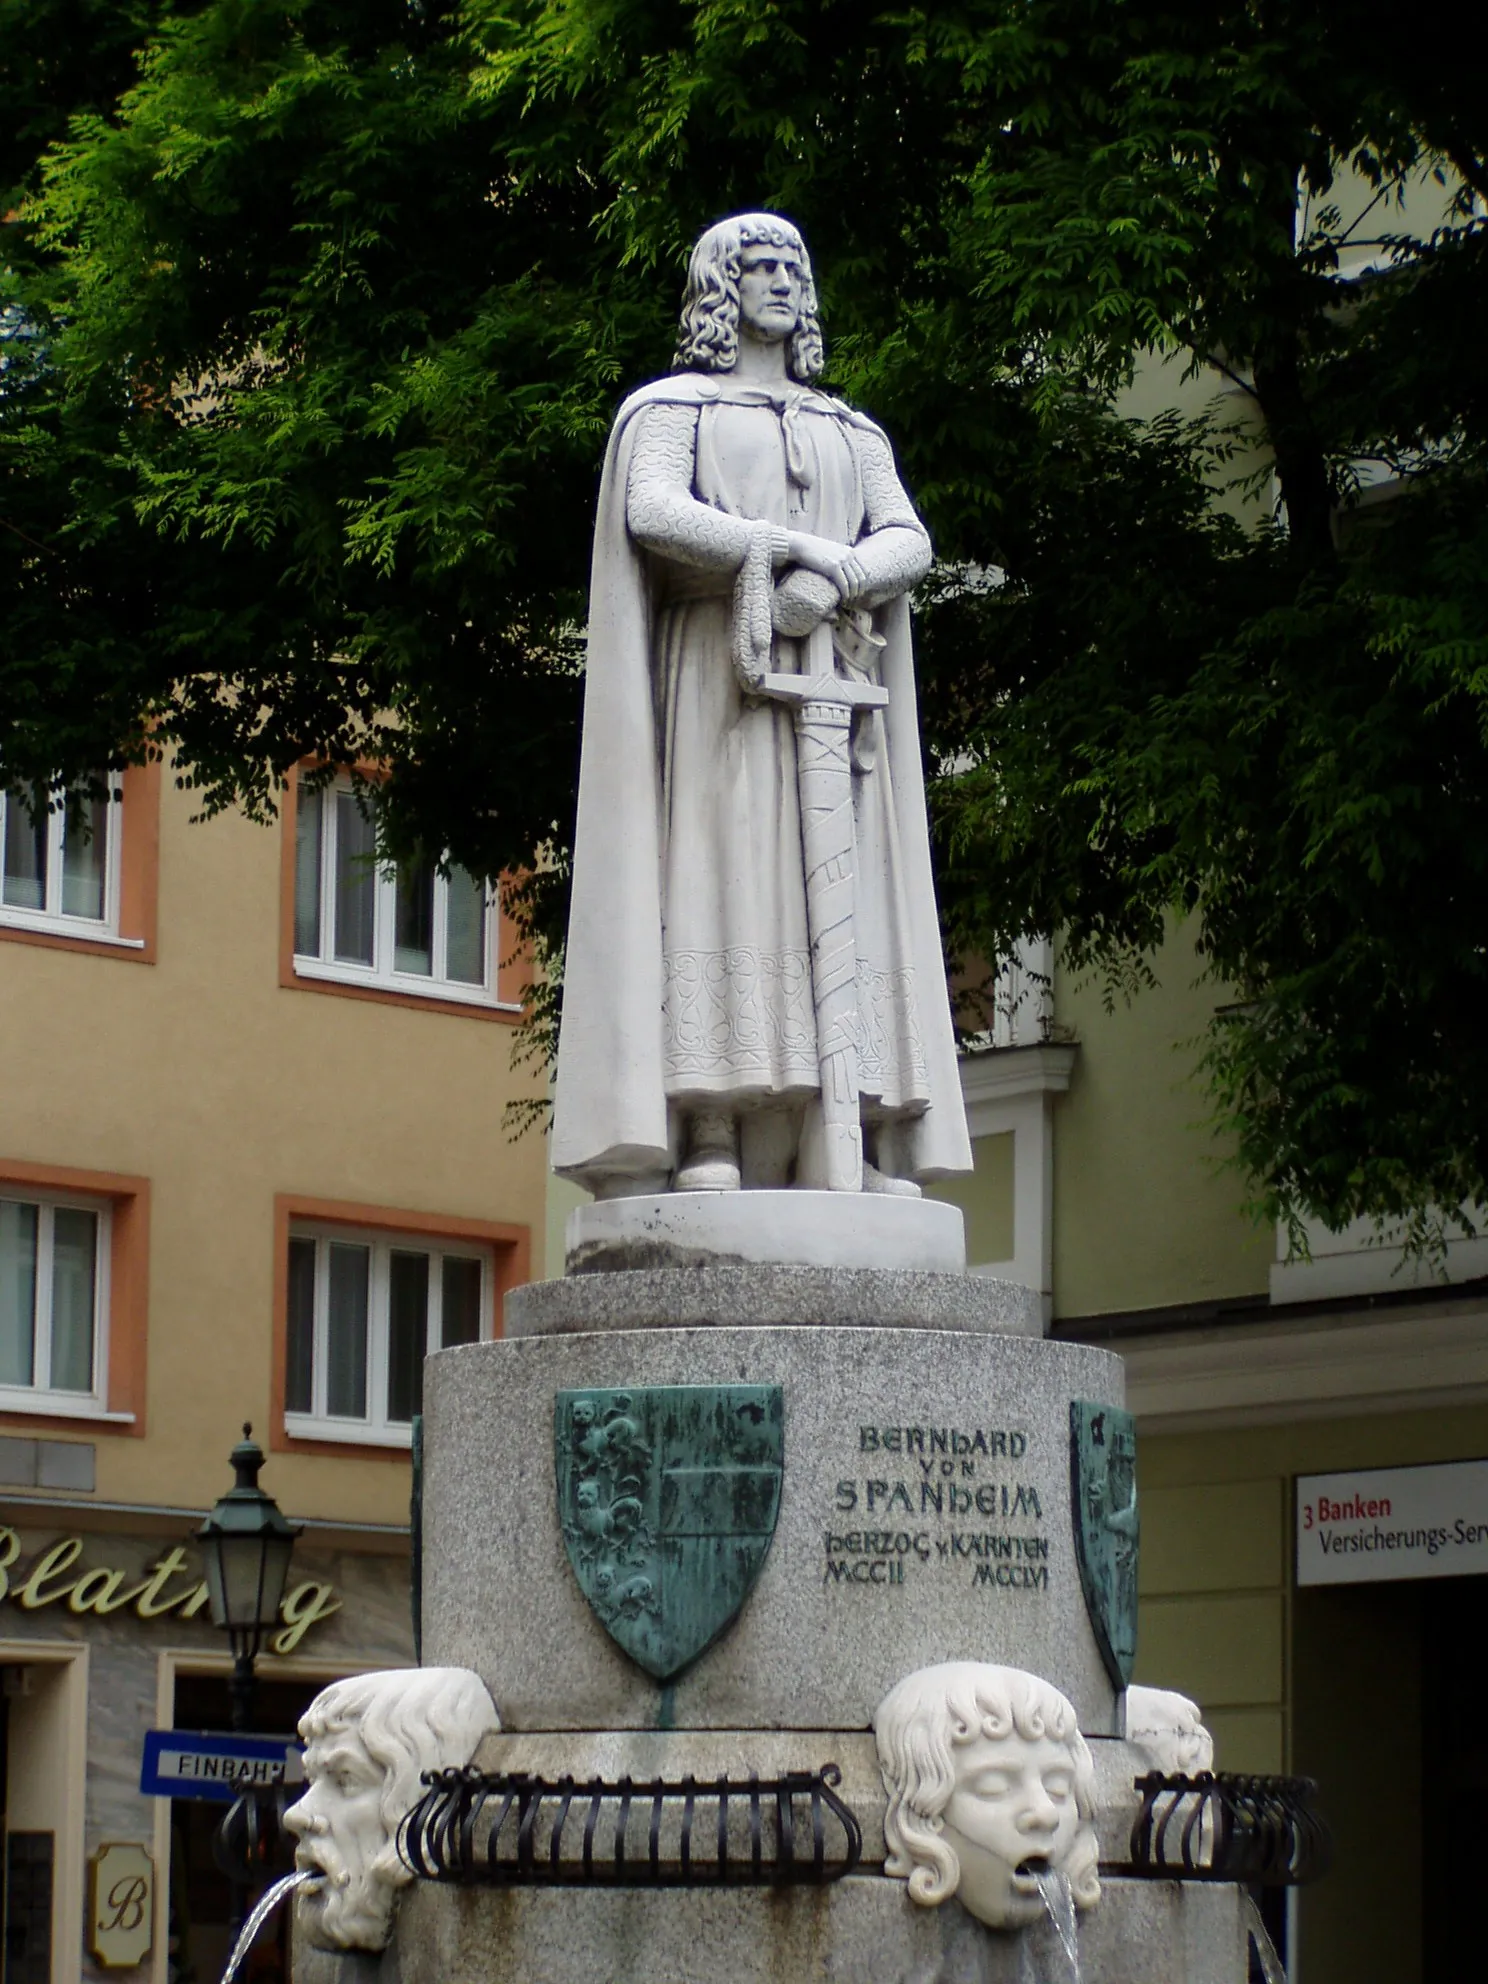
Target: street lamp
<point>246,1544</point>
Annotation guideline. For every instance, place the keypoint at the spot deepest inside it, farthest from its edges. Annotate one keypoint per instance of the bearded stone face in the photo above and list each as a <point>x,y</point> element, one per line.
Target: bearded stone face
<point>344,1839</point>
<point>368,1741</point>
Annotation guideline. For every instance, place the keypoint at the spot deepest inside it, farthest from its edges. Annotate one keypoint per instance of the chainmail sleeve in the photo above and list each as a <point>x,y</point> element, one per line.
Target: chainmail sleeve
<point>894,549</point>
<point>660,509</point>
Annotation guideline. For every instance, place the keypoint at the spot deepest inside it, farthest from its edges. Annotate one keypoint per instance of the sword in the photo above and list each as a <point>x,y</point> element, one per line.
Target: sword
<point>823,704</point>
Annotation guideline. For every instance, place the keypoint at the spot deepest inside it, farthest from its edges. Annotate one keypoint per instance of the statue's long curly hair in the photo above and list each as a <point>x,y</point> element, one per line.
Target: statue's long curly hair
<point>708,337</point>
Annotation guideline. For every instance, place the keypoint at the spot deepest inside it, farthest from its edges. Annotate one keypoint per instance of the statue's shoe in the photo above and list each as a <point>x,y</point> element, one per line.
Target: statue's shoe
<point>875,1180</point>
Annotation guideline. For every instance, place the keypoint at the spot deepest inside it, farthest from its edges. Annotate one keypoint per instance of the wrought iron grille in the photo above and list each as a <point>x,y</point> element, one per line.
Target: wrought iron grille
<point>501,1829</point>
<point>1259,1830</point>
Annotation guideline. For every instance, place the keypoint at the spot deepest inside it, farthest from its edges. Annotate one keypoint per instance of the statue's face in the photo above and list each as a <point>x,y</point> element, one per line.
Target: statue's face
<point>771,284</point>
<point>1012,1812</point>
<point>342,1838</point>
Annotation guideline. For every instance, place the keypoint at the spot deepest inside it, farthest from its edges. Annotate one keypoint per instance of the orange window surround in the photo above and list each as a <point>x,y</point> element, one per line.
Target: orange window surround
<point>513,973</point>
<point>139,872</point>
<point>511,1253</point>
<point>128,1283</point>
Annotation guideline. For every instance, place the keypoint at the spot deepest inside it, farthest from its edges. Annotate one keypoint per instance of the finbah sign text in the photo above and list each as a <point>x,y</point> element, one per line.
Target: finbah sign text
<point>101,1590</point>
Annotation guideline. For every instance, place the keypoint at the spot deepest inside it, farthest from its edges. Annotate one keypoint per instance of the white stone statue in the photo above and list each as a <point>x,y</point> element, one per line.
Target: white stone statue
<point>754,991</point>
<point>990,1783</point>
<point>1169,1730</point>
<point>367,1742</point>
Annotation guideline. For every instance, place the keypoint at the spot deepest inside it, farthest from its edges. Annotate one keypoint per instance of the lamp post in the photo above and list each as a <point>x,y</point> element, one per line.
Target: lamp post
<point>246,1547</point>
<point>246,1543</point>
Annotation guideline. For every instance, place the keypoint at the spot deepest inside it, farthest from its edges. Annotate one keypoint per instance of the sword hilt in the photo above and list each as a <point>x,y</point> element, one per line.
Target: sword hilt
<point>826,688</point>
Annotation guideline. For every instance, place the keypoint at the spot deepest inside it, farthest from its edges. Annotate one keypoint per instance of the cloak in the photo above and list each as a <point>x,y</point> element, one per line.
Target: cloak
<point>610,1108</point>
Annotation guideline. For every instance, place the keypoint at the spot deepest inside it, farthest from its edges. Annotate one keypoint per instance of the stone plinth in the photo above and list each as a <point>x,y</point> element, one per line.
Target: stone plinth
<point>924,1516</point>
<point>803,1229</point>
<point>703,1297</point>
<point>863,1930</point>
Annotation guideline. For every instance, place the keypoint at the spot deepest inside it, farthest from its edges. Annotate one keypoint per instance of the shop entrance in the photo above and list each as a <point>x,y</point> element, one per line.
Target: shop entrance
<point>1454,1775</point>
<point>200,1893</point>
<point>41,1807</point>
<point>1388,1718</point>
<point>28,1871</point>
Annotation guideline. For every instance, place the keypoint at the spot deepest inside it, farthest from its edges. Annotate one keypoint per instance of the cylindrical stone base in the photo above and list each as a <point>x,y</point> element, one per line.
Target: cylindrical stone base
<point>862,1930</point>
<point>924,1515</point>
<point>676,1298</point>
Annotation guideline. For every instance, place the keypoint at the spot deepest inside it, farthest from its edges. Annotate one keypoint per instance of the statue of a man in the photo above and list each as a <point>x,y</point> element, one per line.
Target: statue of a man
<point>749,528</point>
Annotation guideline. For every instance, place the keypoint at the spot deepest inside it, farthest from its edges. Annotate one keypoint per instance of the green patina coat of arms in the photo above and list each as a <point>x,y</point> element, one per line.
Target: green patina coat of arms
<point>1103,1483</point>
<point>668,1496</point>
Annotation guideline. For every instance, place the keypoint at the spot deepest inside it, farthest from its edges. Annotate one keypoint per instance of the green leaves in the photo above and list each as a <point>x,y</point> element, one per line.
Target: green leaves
<point>316,319</point>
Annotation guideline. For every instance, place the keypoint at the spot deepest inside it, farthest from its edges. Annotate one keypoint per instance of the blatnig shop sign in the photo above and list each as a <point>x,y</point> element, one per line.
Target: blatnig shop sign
<point>1393,1522</point>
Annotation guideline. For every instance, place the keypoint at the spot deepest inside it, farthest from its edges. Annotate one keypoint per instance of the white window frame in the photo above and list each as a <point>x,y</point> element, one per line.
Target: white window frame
<point>376,1430</point>
<point>48,1399</point>
<point>1366,1258</point>
<point>52,919</point>
<point>382,974</point>
<point>1009,1091</point>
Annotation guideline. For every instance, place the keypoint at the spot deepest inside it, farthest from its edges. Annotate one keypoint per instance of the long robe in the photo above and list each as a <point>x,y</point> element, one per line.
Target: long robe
<point>688,979</point>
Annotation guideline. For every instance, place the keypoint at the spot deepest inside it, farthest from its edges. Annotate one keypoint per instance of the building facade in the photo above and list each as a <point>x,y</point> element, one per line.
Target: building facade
<point>253,1164</point>
<point>1263,1387</point>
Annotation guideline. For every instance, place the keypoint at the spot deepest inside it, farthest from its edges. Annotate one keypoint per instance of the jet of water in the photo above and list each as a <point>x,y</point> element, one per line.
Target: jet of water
<point>267,1902</point>
<point>1272,1968</point>
<point>1059,1906</point>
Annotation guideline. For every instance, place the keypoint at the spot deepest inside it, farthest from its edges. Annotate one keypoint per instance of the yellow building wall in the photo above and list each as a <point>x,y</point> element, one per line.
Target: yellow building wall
<point>562,1199</point>
<point>206,1076</point>
<point>985,1197</point>
<point>1323,1682</point>
<point>1146,1211</point>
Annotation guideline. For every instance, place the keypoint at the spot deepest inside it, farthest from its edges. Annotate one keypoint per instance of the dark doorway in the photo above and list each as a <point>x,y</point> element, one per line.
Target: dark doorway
<point>1454,1775</point>
<point>200,1893</point>
<point>1357,1728</point>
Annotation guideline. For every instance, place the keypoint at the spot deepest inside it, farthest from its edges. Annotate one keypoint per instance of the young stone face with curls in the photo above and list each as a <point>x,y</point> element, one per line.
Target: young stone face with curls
<point>990,1784</point>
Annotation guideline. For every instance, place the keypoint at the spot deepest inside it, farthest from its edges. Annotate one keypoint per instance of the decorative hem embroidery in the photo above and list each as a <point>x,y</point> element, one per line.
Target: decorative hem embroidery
<point>744,1018</point>
<point>742,1014</point>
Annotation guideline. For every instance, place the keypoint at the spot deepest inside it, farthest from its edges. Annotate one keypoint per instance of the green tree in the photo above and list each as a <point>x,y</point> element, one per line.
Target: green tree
<point>413,253</point>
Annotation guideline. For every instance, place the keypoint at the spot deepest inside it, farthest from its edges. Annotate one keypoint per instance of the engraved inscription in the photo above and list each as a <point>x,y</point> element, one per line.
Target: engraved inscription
<point>937,1501</point>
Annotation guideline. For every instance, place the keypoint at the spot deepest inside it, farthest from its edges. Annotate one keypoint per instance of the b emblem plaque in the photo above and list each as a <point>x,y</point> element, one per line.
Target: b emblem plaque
<point>1103,1498</point>
<point>668,1497</point>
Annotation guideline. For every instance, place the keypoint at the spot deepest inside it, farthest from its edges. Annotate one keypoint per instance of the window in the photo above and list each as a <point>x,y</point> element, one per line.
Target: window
<point>403,928</point>
<point>362,1310</point>
<point>54,1257</point>
<point>61,869</point>
<point>83,877</point>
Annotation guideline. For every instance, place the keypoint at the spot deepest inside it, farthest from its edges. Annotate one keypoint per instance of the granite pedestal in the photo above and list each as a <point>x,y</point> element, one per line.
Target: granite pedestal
<point>924,1515</point>
<point>863,1930</point>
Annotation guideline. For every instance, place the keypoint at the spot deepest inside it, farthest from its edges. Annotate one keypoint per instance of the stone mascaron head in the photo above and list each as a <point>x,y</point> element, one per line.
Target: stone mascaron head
<point>1169,1729</point>
<point>367,1742</point>
<point>752,268</point>
<point>990,1783</point>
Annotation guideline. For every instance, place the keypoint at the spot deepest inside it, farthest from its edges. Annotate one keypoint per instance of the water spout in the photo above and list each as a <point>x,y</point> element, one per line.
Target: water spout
<point>267,1902</point>
<point>1272,1968</point>
<point>1059,1906</point>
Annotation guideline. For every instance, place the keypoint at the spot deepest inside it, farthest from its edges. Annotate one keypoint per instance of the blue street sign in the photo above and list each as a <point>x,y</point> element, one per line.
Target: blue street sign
<point>189,1763</point>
